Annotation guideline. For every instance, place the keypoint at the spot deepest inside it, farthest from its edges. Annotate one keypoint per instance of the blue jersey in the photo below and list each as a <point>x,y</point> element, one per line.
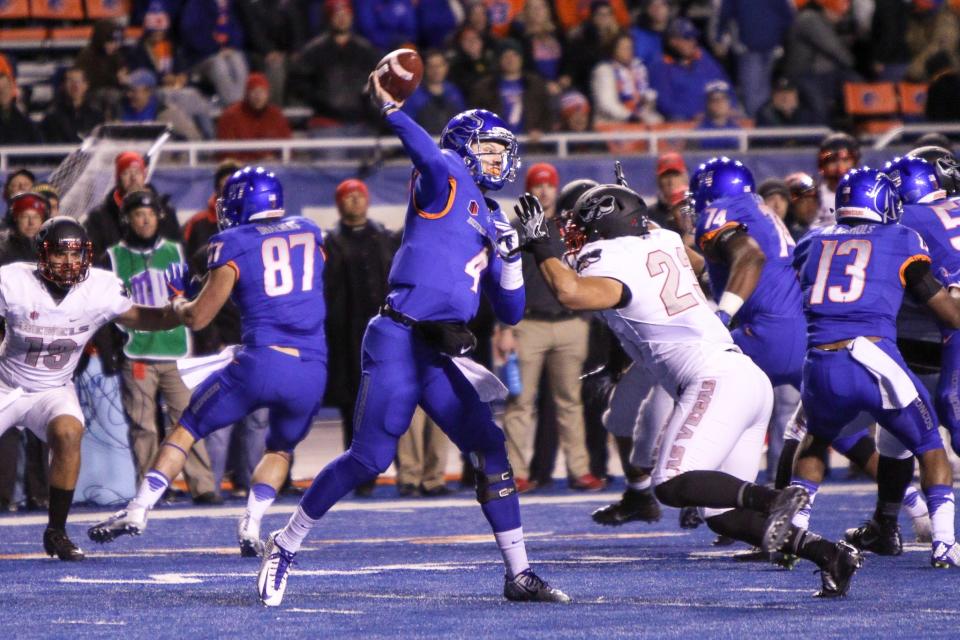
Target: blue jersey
<point>938,223</point>
<point>853,279</point>
<point>777,292</point>
<point>279,288</point>
<point>448,253</point>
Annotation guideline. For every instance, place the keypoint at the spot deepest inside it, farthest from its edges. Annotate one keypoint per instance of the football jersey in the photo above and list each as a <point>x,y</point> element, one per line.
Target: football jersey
<point>777,292</point>
<point>852,279</point>
<point>44,340</point>
<point>667,324</point>
<point>279,289</point>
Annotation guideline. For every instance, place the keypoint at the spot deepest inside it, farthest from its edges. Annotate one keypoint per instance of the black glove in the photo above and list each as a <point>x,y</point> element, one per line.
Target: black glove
<point>534,236</point>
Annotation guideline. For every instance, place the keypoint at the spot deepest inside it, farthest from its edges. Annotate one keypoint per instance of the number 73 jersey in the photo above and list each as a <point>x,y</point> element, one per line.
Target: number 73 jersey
<point>279,289</point>
<point>852,279</point>
<point>44,339</point>
<point>667,324</point>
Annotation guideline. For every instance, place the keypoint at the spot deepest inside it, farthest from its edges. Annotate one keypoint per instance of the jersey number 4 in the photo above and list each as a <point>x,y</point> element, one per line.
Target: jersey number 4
<point>278,277</point>
<point>857,271</point>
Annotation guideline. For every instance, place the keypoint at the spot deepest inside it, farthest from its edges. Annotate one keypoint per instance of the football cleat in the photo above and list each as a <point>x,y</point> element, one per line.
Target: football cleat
<point>274,571</point>
<point>57,543</point>
<point>248,536</point>
<point>690,518</point>
<point>633,505</point>
<point>921,529</point>
<point>788,502</point>
<point>526,586</point>
<point>945,555</point>
<point>836,574</point>
<point>126,522</point>
<point>881,538</point>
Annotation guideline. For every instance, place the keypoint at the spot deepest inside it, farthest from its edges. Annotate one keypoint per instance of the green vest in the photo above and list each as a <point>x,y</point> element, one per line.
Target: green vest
<point>141,271</point>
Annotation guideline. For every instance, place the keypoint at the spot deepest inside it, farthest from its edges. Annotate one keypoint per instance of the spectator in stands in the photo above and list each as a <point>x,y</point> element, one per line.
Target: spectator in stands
<point>478,18</point>
<point>422,458</point>
<point>275,31</point>
<point>49,192</point>
<point>330,74</point>
<point>776,195</point>
<point>804,203</point>
<point>73,114</point>
<point>518,96</point>
<point>943,94</point>
<point>681,75</point>
<point>144,104</point>
<point>15,126</point>
<point>437,99</point>
<point>621,86</point>
<point>573,13</point>
<point>254,118</point>
<point>817,60</point>
<point>929,32</point>
<point>542,43</point>
<point>18,181</point>
<point>586,44</point>
<point>551,338</point>
<point>574,112</point>
<point>719,114</point>
<point>104,64</point>
<point>673,180</point>
<point>359,252</point>
<point>103,222</point>
<point>387,24</point>
<point>757,29</point>
<point>501,14</point>
<point>784,109</point>
<point>156,52</point>
<point>471,60</point>
<point>648,33</point>
<point>212,40</point>
<point>203,225</point>
<point>436,22</point>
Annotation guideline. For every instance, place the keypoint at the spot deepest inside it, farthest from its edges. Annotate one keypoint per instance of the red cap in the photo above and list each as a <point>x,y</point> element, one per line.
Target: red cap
<point>257,79</point>
<point>540,173</point>
<point>670,161</point>
<point>29,200</point>
<point>332,6</point>
<point>349,186</point>
<point>126,160</point>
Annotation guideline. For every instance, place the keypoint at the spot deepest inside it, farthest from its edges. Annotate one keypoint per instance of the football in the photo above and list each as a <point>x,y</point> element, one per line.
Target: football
<point>400,72</point>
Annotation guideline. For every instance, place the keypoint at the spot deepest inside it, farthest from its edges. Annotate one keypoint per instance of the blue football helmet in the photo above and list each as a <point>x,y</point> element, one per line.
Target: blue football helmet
<point>915,179</point>
<point>470,128</point>
<point>252,193</point>
<point>868,194</point>
<point>719,178</point>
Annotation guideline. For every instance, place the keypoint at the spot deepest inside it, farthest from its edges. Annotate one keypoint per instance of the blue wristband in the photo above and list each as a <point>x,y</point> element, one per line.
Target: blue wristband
<point>724,317</point>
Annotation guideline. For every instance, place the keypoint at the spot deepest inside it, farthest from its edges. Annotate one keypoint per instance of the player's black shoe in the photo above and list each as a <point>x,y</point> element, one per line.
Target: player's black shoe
<point>690,518</point>
<point>836,573</point>
<point>527,586</point>
<point>633,505</point>
<point>788,502</point>
<point>57,543</point>
<point>882,538</point>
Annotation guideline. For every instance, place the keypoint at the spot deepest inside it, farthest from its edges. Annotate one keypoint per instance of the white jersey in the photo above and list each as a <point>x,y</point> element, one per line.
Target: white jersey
<point>667,324</point>
<point>44,340</point>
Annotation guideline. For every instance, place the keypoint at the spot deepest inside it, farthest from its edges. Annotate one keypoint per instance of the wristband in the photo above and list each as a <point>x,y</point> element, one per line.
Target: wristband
<point>388,108</point>
<point>730,303</point>
<point>724,317</point>
<point>177,303</point>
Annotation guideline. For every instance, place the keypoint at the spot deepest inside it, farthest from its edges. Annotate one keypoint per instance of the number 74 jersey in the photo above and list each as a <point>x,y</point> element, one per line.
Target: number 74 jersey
<point>44,340</point>
<point>667,324</point>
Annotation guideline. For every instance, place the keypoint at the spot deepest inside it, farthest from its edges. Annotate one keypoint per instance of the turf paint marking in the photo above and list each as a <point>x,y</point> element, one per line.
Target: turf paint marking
<point>346,612</point>
<point>98,623</point>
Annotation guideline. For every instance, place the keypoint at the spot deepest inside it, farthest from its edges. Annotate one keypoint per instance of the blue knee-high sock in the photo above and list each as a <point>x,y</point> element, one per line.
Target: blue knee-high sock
<point>337,479</point>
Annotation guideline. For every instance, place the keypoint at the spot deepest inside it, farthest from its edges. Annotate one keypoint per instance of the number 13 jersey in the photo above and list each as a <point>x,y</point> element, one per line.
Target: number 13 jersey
<point>44,340</point>
<point>667,324</point>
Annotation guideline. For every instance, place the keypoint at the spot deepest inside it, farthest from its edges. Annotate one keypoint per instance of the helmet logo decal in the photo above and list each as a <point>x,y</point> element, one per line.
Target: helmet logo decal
<point>596,208</point>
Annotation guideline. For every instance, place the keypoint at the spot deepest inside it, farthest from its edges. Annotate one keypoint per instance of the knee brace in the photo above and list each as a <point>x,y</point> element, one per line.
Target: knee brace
<point>491,486</point>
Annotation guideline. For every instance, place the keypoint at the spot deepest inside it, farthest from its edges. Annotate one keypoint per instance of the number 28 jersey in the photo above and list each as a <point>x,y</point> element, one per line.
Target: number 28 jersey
<point>667,324</point>
<point>279,289</point>
<point>44,340</point>
<point>852,279</point>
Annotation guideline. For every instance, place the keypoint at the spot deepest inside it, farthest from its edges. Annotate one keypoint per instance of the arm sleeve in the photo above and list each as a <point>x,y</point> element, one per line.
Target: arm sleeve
<point>508,304</point>
<point>919,281</point>
<point>719,248</point>
<point>434,182</point>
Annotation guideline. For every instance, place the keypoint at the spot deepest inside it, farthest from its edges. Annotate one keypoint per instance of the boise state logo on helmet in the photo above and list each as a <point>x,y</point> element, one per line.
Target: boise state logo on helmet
<point>915,179</point>
<point>717,178</point>
<point>868,194</point>
<point>252,193</point>
<point>467,130</point>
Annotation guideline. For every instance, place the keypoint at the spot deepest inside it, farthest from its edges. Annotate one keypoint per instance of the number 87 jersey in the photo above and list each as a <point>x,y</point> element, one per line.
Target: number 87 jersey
<point>279,288</point>
<point>853,279</point>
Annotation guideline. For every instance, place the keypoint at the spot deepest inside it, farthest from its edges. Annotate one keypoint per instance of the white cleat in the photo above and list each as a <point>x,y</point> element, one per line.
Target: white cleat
<point>945,555</point>
<point>274,570</point>
<point>248,536</point>
<point>131,521</point>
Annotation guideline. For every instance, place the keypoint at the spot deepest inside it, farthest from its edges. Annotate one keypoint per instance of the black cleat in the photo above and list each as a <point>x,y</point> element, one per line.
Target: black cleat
<point>788,502</point>
<point>526,586</point>
<point>837,572</point>
<point>690,518</point>
<point>57,543</point>
<point>633,505</point>
<point>881,538</point>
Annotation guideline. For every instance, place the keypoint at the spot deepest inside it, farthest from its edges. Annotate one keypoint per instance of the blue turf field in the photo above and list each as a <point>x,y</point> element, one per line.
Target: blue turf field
<point>428,568</point>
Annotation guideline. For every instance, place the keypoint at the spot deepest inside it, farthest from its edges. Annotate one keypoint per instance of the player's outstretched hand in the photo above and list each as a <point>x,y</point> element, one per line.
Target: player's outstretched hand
<point>179,282</point>
<point>378,95</point>
<point>533,224</point>
<point>508,240</point>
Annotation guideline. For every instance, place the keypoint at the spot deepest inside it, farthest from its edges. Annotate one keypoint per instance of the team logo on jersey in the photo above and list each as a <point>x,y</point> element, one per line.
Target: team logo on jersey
<point>473,207</point>
<point>588,258</point>
<point>598,207</point>
<point>34,315</point>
